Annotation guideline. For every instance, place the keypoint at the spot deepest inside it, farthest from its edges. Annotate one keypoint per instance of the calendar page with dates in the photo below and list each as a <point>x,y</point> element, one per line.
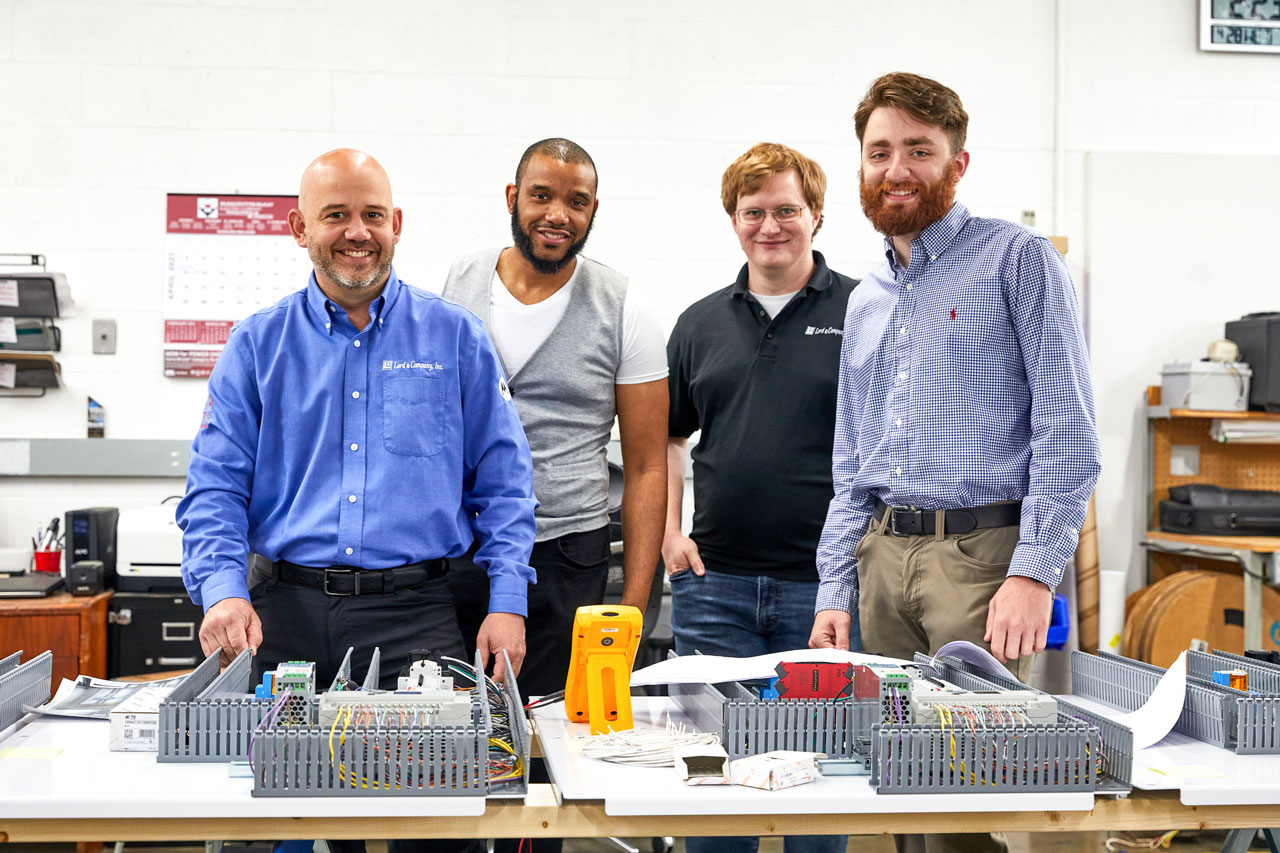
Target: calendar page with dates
<point>226,256</point>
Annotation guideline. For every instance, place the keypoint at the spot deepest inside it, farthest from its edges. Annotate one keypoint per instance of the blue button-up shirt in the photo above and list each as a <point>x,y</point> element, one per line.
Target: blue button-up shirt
<point>326,445</point>
<point>964,380</point>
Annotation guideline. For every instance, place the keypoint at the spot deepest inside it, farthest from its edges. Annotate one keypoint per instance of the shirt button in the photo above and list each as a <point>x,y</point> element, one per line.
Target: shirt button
<point>355,446</point>
<point>903,330</point>
<point>898,422</point>
<point>933,257</point>
<point>357,343</point>
<point>908,285</point>
<point>355,395</point>
<point>326,325</point>
<point>350,551</point>
<point>899,471</point>
<point>762,313</point>
<point>351,498</point>
<point>902,375</point>
<point>769,336</point>
<point>1075,532</point>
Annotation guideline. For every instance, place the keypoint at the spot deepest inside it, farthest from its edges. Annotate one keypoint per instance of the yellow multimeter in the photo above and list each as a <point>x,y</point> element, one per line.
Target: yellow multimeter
<point>598,690</point>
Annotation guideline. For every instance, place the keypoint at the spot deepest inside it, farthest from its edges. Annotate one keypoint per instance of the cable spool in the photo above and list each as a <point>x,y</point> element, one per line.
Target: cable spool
<point>1165,618</point>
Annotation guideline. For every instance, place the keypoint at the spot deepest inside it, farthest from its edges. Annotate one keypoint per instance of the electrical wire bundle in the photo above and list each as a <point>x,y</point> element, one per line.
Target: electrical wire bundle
<point>268,721</point>
<point>643,747</point>
<point>503,761</point>
<point>1157,842</point>
<point>380,747</point>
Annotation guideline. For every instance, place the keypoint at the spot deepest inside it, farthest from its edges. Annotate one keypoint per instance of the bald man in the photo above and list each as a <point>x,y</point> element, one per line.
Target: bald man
<point>358,433</point>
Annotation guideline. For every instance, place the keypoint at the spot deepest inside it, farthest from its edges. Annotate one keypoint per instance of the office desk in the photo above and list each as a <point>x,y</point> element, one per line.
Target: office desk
<point>85,792</point>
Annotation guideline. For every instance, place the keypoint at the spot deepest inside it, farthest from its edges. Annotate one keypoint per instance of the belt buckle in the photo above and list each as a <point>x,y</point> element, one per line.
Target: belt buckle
<point>331,572</point>
<point>897,512</point>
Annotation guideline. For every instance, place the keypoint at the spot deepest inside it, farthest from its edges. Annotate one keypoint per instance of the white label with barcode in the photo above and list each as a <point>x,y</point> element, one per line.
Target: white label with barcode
<point>9,292</point>
<point>141,734</point>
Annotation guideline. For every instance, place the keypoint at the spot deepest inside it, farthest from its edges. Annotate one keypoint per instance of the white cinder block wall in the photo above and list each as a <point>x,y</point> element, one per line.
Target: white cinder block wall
<point>107,106</point>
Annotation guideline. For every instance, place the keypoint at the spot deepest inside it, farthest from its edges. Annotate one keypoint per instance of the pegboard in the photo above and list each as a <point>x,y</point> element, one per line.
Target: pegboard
<point>1231,466</point>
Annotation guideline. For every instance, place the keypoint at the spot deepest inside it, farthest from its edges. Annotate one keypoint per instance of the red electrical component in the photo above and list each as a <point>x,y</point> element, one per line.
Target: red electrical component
<point>818,680</point>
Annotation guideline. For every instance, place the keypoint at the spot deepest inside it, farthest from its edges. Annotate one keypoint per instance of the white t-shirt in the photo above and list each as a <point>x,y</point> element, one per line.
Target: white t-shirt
<point>773,304</point>
<point>519,329</point>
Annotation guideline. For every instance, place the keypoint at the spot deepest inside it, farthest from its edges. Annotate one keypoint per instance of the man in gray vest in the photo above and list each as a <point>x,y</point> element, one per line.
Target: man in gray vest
<point>577,351</point>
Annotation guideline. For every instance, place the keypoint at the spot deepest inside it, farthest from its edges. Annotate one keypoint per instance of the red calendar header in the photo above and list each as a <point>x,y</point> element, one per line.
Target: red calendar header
<point>253,215</point>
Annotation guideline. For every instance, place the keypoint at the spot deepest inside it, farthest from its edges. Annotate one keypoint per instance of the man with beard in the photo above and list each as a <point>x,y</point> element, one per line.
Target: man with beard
<point>753,370</point>
<point>357,434</point>
<point>966,445</point>
<point>578,351</point>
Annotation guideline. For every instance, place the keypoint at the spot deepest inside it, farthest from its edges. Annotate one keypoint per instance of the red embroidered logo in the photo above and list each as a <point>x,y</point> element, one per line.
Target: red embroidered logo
<point>953,313</point>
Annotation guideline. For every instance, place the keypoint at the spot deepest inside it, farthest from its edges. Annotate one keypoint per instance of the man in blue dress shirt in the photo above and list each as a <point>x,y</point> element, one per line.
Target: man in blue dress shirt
<point>966,446</point>
<point>358,433</point>
<point>966,443</point>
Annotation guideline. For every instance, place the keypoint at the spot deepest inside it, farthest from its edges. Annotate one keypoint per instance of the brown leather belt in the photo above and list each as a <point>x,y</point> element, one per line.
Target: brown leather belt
<point>909,521</point>
<point>351,580</point>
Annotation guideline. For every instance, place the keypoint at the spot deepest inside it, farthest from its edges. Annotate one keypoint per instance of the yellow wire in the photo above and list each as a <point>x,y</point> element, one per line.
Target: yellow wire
<point>333,729</point>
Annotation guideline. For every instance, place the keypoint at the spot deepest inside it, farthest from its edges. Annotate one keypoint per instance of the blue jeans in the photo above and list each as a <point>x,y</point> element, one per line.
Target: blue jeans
<point>741,616</point>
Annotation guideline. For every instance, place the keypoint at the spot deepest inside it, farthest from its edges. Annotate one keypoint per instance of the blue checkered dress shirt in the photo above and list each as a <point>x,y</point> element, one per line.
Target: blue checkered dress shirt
<point>964,380</point>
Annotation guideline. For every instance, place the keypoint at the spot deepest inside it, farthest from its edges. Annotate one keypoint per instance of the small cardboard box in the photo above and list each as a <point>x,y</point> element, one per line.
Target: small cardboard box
<point>135,722</point>
<point>775,770</point>
<point>703,764</point>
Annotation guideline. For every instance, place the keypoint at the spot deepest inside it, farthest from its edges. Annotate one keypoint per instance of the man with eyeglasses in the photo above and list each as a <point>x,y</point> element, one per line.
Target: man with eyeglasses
<point>754,369</point>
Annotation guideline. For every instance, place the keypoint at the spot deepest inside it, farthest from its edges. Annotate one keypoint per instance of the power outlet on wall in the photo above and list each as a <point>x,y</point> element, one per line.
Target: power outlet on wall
<point>104,337</point>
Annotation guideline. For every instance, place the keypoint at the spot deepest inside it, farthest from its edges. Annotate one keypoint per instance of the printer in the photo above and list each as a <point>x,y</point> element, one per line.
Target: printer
<point>149,550</point>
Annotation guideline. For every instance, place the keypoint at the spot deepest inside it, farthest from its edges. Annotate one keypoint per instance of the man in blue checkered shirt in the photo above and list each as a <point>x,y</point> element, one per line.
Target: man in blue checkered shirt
<point>966,446</point>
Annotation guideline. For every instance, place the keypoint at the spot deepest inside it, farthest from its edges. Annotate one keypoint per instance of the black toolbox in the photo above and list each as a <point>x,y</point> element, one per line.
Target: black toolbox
<point>152,632</point>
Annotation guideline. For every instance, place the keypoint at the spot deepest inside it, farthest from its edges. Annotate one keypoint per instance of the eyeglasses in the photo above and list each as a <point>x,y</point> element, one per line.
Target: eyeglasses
<point>783,213</point>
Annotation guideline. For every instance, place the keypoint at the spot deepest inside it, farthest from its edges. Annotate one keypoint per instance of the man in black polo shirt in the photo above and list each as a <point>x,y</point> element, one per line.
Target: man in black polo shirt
<point>755,367</point>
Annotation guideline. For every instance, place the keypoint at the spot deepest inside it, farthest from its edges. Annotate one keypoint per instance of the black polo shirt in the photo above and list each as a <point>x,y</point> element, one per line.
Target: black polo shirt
<point>763,393</point>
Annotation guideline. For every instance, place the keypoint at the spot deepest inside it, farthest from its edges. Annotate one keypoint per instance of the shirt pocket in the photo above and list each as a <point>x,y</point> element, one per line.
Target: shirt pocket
<point>413,415</point>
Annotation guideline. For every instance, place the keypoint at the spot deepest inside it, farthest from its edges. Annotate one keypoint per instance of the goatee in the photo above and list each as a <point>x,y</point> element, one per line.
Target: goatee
<point>931,203</point>
<point>323,260</point>
<point>545,266</point>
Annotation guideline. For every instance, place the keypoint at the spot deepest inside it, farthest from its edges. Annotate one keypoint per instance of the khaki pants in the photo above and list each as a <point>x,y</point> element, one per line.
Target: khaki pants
<point>916,593</point>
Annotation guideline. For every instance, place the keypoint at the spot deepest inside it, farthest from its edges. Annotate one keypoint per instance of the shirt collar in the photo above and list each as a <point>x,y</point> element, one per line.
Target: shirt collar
<point>378,309</point>
<point>819,279</point>
<point>935,239</point>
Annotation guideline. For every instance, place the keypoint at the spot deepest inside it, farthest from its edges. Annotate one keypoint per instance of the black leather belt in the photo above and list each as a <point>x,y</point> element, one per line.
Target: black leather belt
<point>909,521</point>
<point>350,580</point>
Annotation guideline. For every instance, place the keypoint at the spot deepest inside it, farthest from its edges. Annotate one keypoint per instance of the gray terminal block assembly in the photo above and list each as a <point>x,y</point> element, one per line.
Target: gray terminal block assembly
<point>930,704</point>
<point>895,696</point>
<point>423,698</point>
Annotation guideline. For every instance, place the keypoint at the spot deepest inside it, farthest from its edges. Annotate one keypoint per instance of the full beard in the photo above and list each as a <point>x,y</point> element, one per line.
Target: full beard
<point>524,244</point>
<point>931,204</point>
<point>324,262</point>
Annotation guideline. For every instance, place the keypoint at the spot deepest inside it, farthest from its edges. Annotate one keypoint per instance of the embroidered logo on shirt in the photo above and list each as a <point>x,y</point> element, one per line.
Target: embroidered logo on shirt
<point>389,364</point>
<point>208,414</point>
<point>503,389</point>
<point>822,330</point>
<point>953,313</point>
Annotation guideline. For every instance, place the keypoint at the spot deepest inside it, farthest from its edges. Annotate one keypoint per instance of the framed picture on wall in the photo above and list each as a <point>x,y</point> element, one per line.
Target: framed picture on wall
<point>1246,26</point>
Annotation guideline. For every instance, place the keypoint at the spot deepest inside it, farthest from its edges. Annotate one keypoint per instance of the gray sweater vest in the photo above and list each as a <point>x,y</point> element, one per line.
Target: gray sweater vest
<point>565,391</point>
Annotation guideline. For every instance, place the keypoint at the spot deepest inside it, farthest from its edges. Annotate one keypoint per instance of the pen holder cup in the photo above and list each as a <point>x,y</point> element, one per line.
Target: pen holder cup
<point>48,561</point>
